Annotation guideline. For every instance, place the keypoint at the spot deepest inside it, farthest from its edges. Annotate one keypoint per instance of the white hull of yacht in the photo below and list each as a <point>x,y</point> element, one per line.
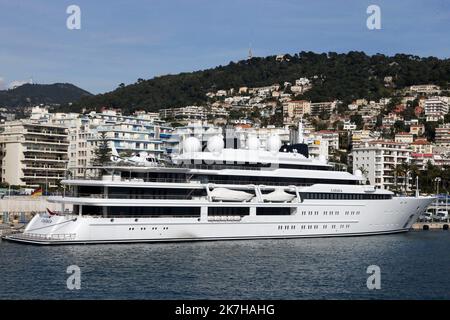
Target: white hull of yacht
<point>312,218</point>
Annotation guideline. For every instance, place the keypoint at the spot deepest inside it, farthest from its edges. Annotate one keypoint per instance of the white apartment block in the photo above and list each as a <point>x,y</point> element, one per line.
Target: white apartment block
<point>435,109</point>
<point>378,159</point>
<point>425,88</point>
<point>442,138</point>
<point>404,137</point>
<point>317,147</point>
<point>142,132</point>
<point>391,118</point>
<point>332,138</point>
<point>33,154</point>
<point>127,133</point>
<point>349,126</point>
<point>193,112</point>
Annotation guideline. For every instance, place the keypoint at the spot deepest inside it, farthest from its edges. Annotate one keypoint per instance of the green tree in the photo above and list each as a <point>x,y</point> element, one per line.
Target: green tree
<point>236,114</point>
<point>364,173</point>
<point>103,151</point>
<point>358,120</point>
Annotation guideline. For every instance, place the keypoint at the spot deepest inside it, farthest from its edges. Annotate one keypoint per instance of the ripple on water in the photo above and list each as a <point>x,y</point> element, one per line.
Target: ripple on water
<point>413,266</point>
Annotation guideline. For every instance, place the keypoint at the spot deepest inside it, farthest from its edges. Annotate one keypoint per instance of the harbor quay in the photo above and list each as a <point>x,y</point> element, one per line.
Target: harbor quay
<point>18,210</point>
<point>425,226</point>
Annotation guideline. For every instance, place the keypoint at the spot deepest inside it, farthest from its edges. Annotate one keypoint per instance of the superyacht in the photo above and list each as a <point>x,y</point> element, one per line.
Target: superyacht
<point>217,191</point>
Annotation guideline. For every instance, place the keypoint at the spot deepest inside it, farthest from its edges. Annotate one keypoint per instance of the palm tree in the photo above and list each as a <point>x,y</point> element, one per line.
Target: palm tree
<point>399,171</point>
<point>406,170</point>
<point>364,172</point>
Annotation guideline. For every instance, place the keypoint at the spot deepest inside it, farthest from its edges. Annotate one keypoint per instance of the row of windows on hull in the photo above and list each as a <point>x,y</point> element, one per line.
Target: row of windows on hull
<point>176,211</point>
<point>195,212</point>
<point>344,196</point>
<point>187,194</point>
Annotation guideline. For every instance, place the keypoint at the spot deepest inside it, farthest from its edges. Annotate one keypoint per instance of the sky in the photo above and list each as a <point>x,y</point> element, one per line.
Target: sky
<point>123,40</point>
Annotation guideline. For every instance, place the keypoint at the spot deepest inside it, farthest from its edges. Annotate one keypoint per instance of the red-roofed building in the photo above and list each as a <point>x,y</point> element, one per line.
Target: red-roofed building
<point>399,108</point>
<point>421,160</point>
<point>422,146</point>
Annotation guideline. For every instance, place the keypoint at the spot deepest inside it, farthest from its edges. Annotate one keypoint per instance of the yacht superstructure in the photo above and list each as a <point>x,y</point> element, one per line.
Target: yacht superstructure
<point>216,193</point>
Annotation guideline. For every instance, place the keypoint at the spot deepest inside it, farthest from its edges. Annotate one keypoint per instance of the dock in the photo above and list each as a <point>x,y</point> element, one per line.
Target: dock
<point>430,226</point>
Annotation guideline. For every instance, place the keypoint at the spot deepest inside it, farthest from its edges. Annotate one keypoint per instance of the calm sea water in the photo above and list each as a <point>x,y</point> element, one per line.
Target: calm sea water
<point>415,265</point>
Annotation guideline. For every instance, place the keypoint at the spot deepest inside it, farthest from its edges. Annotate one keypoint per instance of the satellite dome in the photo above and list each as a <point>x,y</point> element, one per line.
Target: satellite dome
<point>253,143</point>
<point>273,143</point>
<point>210,130</point>
<point>215,144</point>
<point>358,173</point>
<point>322,158</point>
<point>191,144</point>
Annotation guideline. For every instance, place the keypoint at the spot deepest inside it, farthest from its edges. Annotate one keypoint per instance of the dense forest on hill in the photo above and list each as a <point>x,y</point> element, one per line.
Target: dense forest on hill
<point>335,76</point>
<point>35,94</point>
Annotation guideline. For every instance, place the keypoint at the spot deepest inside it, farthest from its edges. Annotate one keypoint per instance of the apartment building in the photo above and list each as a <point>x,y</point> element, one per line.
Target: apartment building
<point>422,146</point>
<point>33,154</point>
<point>293,111</point>
<point>404,137</point>
<point>141,132</point>
<point>435,109</point>
<point>193,113</point>
<point>377,160</point>
<point>361,136</point>
<point>425,89</point>
<point>318,108</point>
<point>442,138</point>
<point>332,137</point>
<point>318,148</point>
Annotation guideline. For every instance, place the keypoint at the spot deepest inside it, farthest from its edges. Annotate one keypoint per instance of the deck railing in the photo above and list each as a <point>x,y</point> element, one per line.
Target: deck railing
<point>40,236</point>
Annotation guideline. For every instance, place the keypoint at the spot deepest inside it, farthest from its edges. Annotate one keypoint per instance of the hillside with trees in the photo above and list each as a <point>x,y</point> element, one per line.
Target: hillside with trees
<point>335,76</point>
<point>35,94</point>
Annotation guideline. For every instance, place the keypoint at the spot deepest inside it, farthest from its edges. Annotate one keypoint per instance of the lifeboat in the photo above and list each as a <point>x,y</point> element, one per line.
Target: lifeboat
<point>224,194</point>
<point>278,195</point>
